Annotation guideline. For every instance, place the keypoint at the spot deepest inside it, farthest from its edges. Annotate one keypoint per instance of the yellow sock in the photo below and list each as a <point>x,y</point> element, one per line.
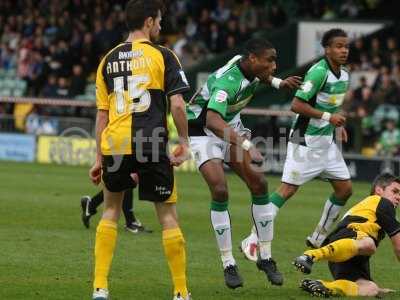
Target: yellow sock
<point>338,251</point>
<point>174,247</point>
<point>106,236</point>
<point>342,287</point>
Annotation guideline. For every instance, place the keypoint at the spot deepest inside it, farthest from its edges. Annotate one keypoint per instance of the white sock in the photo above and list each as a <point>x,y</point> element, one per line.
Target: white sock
<point>273,208</point>
<point>263,221</point>
<point>222,227</point>
<point>253,238</point>
<point>329,216</point>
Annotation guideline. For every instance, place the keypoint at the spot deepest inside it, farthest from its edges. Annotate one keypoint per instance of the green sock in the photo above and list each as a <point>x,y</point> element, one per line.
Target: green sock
<point>277,199</point>
<point>259,199</point>
<point>219,206</point>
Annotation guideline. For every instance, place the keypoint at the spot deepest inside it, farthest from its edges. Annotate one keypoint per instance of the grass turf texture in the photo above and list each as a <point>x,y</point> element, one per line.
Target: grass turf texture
<point>46,253</point>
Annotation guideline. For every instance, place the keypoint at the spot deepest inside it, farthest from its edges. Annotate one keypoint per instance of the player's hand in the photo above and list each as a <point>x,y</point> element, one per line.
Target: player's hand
<point>255,156</point>
<point>342,134</point>
<point>291,83</point>
<point>95,172</point>
<point>337,120</point>
<point>180,154</point>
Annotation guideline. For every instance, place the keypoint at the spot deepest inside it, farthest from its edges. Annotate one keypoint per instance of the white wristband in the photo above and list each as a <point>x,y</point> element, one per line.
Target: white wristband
<point>246,145</point>
<point>326,116</point>
<point>275,82</point>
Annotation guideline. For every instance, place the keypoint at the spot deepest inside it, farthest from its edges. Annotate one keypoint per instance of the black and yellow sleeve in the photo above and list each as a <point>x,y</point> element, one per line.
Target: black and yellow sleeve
<point>386,217</point>
<point>102,100</point>
<point>175,81</point>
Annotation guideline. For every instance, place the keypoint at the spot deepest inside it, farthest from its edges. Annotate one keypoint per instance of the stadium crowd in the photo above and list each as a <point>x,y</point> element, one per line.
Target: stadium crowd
<point>53,47</point>
<point>376,98</point>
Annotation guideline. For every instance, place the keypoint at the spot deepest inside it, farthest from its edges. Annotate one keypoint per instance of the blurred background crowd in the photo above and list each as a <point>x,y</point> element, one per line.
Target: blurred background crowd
<point>51,49</point>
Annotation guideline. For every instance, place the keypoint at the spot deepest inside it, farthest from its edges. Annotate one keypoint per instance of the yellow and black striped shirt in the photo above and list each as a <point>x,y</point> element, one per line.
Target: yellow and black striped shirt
<point>375,216</point>
<point>134,81</point>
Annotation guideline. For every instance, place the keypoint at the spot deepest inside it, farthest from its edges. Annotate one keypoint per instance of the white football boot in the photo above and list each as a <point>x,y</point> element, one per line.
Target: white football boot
<point>100,294</point>
<point>249,248</point>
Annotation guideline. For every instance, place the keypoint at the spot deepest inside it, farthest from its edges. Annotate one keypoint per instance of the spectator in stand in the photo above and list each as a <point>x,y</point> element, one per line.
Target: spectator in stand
<point>276,15</point>
<point>77,82</point>
<point>62,89</point>
<point>349,9</point>
<point>386,90</point>
<point>214,40</point>
<point>50,88</point>
<point>221,13</point>
<point>389,141</point>
<point>375,48</point>
<point>248,15</point>
<point>361,103</point>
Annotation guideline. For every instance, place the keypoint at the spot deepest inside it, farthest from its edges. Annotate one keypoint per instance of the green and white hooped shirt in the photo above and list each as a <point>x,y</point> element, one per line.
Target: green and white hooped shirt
<point>325,91</point>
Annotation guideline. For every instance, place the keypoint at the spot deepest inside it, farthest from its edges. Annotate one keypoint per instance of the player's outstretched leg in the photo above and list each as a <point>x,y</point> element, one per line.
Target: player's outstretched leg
<point>337,251</point>
<point>341,288</point>
<point>316,288</point>
<point>304,263</point>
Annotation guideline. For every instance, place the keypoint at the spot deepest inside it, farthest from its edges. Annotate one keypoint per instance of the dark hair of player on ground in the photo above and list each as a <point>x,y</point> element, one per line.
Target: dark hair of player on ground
<point>330,35</point>
<point>137,11</point>
<point>383,181</point>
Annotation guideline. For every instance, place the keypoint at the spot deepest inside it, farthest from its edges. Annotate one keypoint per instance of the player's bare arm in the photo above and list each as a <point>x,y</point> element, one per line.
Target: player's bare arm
<point>305,109</point>
<point>101,124</point>
<point>178,111</point>
<point>221,129</point>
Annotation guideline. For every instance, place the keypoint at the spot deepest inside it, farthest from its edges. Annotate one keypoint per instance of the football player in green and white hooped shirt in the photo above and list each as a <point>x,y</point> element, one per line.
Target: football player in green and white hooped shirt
<point>217,136</point>
<point>312,150</point>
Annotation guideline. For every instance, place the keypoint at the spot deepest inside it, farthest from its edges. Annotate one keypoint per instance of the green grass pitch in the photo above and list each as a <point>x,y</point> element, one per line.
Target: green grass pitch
<point>46,253</point>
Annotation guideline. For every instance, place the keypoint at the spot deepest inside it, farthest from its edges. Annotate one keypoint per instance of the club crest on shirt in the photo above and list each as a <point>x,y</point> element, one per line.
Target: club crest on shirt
<point>221,96</point>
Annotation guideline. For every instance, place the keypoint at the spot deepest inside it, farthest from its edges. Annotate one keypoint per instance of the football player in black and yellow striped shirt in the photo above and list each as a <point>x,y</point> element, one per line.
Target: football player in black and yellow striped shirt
<point>349,248</point>
<point>136,83</point>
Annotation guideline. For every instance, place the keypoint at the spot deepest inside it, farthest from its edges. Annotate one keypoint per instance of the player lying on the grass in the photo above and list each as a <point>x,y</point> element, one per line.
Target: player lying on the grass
<point>136,83</point>
<point>349,247</point>
<point>89,207</point>
<point>217,135</point>
<point>311,150</point>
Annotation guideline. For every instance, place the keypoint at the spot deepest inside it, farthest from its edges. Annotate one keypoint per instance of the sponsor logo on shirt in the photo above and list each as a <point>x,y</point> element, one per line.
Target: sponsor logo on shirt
<point>221,96</point>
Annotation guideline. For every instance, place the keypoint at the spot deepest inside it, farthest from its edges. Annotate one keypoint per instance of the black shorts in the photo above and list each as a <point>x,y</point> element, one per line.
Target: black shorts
<point>352,269</point>
<point>156,179</point>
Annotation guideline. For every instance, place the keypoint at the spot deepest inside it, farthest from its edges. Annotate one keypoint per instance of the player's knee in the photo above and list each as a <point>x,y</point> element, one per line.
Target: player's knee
<point>258,186</point>
<point>168,219</point>
<point>220,192</point>
<point>111,213</point>
<point>367,247</point>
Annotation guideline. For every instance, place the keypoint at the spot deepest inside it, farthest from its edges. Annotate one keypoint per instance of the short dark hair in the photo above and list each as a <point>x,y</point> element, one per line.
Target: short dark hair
<point>383,180</point>
<point>137,11</point>
<point>256,46</point>
<point>330,34</point>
